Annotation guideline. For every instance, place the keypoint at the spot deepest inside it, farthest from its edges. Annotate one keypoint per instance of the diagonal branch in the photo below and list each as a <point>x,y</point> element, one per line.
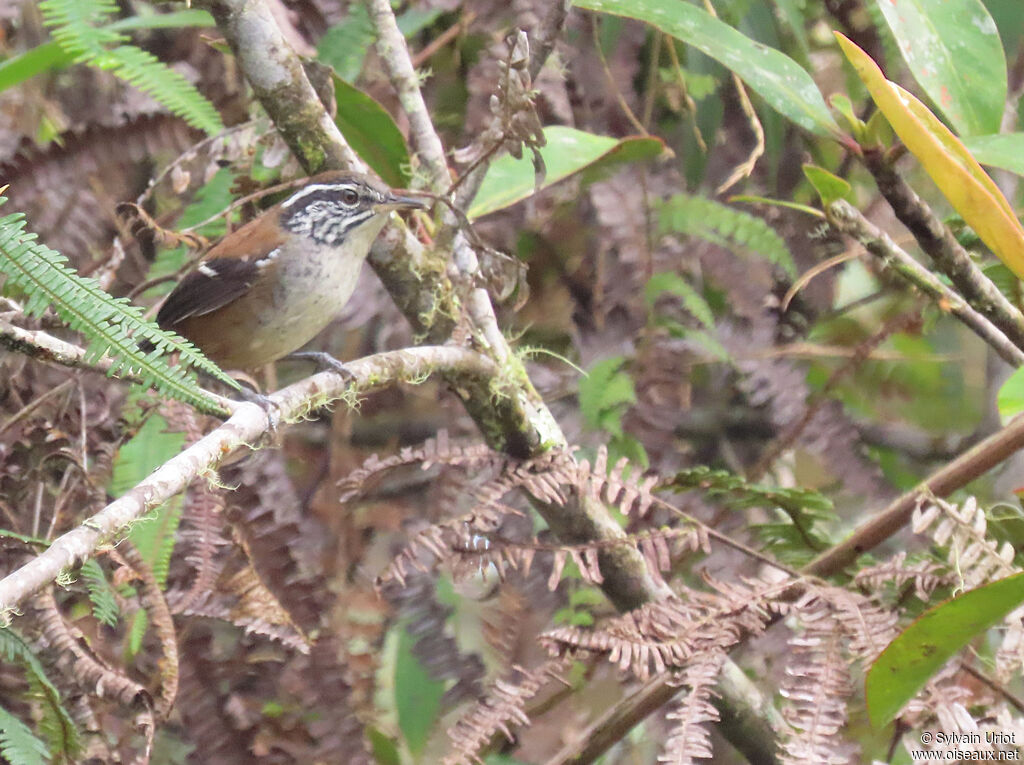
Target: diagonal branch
<point>849,220</point>
<point>243,430</point>
<point>512,417</point>
<point>935,238</point>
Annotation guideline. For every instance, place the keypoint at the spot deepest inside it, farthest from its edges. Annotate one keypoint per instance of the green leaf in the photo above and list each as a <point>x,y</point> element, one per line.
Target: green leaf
<point>829,187</point>
<point>101,594</point>
<point>920,651</point>
<point>385,748</point>
<point>1005,151</point>
<point>674,284</point>
<point>372,133</point>
<point>18,744</point>
<point>1010,399</point>
<point>567,151</point>
<point>151,447</point>
<point>953,51</point>
<point>604,393</point>
<point>783,83</point>
<point>726,226</point>
<point>417,695</point>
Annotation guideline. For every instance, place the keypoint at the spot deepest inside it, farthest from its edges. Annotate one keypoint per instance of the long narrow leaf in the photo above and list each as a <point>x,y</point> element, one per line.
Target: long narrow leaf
<point>782,82</point>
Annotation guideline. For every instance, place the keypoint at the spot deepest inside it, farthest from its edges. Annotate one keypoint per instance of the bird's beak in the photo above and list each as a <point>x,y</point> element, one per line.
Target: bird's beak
<point>398,202</point>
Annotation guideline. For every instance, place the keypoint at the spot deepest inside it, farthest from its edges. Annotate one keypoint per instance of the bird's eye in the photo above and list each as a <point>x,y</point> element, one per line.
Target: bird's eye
<point>350,197</point>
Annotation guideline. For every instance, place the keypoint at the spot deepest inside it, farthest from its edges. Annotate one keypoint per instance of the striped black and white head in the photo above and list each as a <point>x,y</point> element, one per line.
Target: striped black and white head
<point>333,206</point>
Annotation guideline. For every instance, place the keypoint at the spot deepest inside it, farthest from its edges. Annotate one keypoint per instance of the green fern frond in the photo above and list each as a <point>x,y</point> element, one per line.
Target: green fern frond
<point>151,447</point>
<point>725,226</point>
<point>77,29</point>
<point>674,284</point>
<point>147,73</point>
<point>18,745</point>
<point>794,540</point>
<point>104,605</point>
<point>56,723</point>
<point>112,326</point>
<point>76,25</point>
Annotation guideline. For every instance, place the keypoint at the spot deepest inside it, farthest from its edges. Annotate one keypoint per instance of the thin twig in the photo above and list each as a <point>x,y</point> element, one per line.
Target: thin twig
<point>935,238</point>
<point>395,55</point>
<point>546,34</point>
<point>846,218</point>
<point>691,105</point>
<point>444,38</point>
<point>967,467</point>
<point>811,273</point>
<point>30,407</point>
<point>745,168</point>
<point>619,98</point>
<point>246,427</point>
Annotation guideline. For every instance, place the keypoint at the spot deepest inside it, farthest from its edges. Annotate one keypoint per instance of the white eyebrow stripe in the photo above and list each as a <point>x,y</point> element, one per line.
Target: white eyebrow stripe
<point>314,188</point>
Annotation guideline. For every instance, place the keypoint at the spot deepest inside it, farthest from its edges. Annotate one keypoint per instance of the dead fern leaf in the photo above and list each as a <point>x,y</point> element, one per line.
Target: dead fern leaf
<point>816,688</point>
<point>501,709</point>
<point>690,739</point>
<point>963,530</point>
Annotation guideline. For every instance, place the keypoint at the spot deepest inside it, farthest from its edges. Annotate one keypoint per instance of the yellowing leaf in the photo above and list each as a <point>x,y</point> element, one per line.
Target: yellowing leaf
<point>957,174</point>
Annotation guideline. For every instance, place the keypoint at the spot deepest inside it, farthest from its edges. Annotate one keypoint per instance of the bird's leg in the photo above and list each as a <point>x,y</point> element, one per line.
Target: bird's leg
<point>323,360</point>
<point>265,403</point>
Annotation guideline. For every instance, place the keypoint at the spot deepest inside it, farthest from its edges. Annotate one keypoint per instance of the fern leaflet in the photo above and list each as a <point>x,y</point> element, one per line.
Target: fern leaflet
<point>56,724</point>
<point>112,326</point>
<point>18,745</point>
<point>725,226</point>
<point>101,595</point>
<point>76,28</point>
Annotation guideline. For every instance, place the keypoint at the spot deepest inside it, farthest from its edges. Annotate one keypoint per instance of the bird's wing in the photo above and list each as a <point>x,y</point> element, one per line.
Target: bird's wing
<point>226,273</point>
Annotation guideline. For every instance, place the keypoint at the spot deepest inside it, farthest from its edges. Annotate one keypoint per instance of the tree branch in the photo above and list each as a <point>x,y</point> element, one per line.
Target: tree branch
<point>970,465</point>
<point>243,430</point>
<point>938,242</point>
<point>849,220</point>
<point>512,418</point>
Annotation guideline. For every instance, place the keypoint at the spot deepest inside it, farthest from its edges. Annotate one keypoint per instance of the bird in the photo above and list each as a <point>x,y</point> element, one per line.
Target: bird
<point>267,288</point>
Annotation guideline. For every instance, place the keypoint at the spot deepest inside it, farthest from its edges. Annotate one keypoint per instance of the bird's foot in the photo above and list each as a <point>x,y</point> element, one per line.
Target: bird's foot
<point>266,403</point>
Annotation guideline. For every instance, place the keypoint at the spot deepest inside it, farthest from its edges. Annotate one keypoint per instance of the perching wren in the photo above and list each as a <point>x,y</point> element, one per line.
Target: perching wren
<point>268,288</point>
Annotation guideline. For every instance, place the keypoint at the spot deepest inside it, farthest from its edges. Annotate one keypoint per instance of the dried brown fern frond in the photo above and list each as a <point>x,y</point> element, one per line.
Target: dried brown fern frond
<point>501,709</point>
<point>690,739</point>
<point>670,633</point>
<point>976,557</point>
<point>90,674</point>
<point>152,597</point>
<point>943,703</point>
<point>438,542</point>
<point>436,451</point>
<point>1009,657</point>
<point>896,572</point>
<point>659,547</point>
<point>202,534</point>
<point>613,486</point>
<point>816,689</point>
<point>68,189</point>
<point>868,627</point>
<point>425,619</point>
